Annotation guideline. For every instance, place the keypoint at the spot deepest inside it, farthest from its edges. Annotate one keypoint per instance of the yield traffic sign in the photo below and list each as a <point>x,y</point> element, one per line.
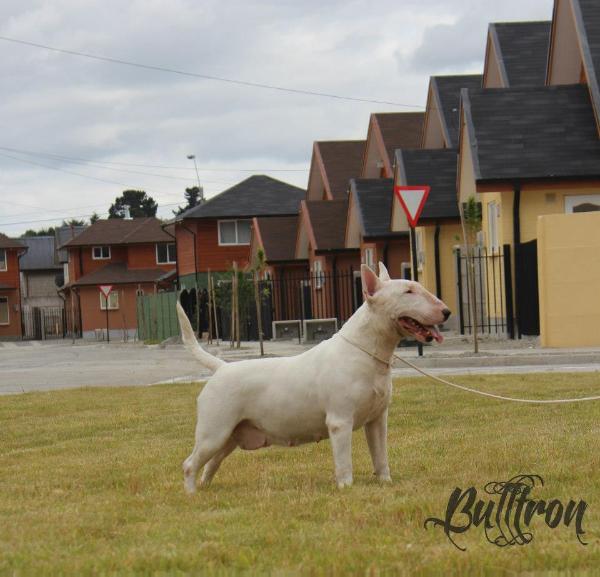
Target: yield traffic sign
<point>412,199</point>
<point>105,289</point>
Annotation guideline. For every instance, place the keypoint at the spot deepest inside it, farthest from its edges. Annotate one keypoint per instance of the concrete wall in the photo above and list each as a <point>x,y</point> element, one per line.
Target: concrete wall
<point>38,289</point>
<point>569,279</point>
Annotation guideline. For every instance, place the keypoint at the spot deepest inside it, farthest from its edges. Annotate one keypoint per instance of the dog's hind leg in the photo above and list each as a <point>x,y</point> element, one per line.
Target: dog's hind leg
<point>376,433</point>
<point>213,465</point>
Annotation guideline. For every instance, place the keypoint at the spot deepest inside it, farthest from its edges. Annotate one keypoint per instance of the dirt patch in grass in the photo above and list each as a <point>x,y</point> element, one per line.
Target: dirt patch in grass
<point>90,484</point>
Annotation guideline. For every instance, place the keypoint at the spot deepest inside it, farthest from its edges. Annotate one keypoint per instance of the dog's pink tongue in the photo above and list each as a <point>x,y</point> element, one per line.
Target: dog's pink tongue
<point>436,335</point>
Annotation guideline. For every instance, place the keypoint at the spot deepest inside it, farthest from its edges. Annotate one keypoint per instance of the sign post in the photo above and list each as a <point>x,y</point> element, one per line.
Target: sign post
<point>412,200</point>
<point>105,289</point>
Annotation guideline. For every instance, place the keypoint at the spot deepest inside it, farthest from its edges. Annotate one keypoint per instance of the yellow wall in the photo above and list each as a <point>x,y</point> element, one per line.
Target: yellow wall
<point>448,240</point>
<point>569,279</point>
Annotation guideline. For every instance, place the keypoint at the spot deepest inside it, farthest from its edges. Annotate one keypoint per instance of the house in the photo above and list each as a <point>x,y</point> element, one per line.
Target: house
<point>369,226</point>
<point>439,230</point>
<point>217,233</point>
<point>334,268</point>
<point>516,54</point>
<point>40,271</point>
<point>386,132</point>
<point>10,297</point>
<point>332,165</point>
<point>134,256</point>
<point>63,234</point>
<point>528,152</point>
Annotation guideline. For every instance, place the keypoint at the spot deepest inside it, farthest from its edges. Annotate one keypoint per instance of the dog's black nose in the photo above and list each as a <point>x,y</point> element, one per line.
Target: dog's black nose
<point>446,313</point>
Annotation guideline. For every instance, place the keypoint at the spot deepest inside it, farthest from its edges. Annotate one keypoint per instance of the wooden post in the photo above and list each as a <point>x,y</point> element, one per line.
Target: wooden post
<point>214,301</point>
<point>258,313</point>
<point>209,308</point>
<point>232,299</point>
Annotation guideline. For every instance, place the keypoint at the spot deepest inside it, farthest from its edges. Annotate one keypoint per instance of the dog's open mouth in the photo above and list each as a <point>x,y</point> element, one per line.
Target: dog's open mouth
<point>422,333</point>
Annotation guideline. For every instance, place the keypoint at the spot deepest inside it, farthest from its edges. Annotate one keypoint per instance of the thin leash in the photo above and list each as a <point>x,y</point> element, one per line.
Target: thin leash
<point>469,389</point>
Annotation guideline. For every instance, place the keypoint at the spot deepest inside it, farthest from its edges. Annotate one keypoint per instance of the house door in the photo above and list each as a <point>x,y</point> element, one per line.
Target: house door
<point>526,283</point>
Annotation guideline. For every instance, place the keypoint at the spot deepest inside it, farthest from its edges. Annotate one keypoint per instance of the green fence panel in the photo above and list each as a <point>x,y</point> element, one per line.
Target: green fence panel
<point>157,316</point>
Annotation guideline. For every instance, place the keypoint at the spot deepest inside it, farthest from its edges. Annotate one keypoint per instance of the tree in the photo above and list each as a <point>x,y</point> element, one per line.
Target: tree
<point>140,205</point>
<point>41,232</point>
<point>192,198</point>
<point>73,222</point>
<point>94,218</point>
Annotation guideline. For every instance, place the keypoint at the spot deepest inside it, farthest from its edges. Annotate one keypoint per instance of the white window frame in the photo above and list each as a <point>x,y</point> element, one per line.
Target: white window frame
<point>236,243</point>
<point>101,246</point>
<point>493,240</point>
<point>7,312</point>
<point>370,257</point>
<point>111,305</point>
<point>4,262</point>
<point>572,200</point>
<point>318,274</point>
<point>168,244</point>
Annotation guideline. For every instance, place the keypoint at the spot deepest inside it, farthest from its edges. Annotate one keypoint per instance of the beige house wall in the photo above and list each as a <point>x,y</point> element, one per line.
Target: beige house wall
<point>569,279</point>
<point>565,59</point>
<point>433,132</point>
<point>492,77</point>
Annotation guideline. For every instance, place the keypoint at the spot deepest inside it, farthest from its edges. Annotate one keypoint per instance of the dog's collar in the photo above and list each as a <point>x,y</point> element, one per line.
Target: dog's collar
<point>376,357</point>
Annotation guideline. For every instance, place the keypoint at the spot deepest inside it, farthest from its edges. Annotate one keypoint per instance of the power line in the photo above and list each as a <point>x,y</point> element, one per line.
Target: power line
<point>139,165</point>
<point>207,76</point>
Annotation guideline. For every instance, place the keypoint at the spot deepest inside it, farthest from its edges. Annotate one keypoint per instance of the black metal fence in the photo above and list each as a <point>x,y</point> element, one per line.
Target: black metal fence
<point>41,323</point>
<point>492,279</point>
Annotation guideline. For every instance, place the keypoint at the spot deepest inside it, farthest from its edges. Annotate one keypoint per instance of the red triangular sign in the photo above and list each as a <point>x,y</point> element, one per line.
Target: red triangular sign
<point>412,200</point>
<point>105,289</point>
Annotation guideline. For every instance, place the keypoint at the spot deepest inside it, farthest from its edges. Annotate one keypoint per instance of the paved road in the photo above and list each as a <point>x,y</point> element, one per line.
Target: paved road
<point>46,366</point>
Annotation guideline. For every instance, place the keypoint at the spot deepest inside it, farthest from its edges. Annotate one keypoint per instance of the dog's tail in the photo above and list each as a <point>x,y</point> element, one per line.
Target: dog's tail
<point>191,343</point>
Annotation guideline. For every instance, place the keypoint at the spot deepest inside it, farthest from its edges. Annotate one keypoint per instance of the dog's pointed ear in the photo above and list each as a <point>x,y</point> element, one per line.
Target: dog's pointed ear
<point>370,283</point>
<point>383,272</point>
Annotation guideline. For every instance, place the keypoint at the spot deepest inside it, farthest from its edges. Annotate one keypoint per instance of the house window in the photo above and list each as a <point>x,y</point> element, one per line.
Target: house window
<point>233,232</point>
<point>166,253</point>
<point>4,312</point>
<point>318,274</point>
<point>493,226</point>
<point>101,252</point>
<point>3,262</point>
<point>113,301</point>
<point>370,258</point>
<point>582,203</point>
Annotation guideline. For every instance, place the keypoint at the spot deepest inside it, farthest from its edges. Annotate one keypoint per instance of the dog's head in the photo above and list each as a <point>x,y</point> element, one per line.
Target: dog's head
<point>412,309</point>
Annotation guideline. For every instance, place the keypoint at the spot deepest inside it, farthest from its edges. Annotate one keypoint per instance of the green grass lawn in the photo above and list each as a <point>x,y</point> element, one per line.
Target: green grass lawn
<point>91,484</point>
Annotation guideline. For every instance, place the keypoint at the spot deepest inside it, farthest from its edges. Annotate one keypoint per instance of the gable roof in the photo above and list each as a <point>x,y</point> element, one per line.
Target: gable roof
<point>121,231</point>
<point>522,50</point>
<point>399,130</point>
<point>340,161</point>
<point>587,19</point>
<point>436,168</point>
<point>258,195</point>
<point>327,220</point>
<point>278,235</point>
<point>40,254</point>
<point>447,93</point>
<point>6,242</point>
<point>532,133</point>
<point>374,198</point>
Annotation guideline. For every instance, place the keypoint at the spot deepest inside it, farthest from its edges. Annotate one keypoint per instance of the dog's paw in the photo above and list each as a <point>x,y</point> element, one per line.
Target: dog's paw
<point>384,478</point>
<point>189,485</point>
<point>342,484</point>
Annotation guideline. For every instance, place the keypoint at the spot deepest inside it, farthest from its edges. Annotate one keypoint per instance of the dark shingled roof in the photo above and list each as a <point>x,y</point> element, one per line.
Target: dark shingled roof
<point>121,231</point>
<point>342,160</point>
<point>532,133</point>
<point>587,16</point>
<point>328,222</point>
<point>278,234</point>
<point>374,198</point>
<point>40,254</point>
<point>118,273</point>
<point>437,169</point>
<point>522,49</point>
<point>6,242</point>
<point>258,195</point>
<point>400,130</point>
<point>447,89</point>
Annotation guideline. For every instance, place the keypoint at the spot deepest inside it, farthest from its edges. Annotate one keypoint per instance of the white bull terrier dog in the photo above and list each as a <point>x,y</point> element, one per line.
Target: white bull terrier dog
<point>338,386</point>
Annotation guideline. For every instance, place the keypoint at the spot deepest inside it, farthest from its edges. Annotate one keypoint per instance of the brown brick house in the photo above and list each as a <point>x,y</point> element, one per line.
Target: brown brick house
<point>10,288</point>
<point>135,256</point>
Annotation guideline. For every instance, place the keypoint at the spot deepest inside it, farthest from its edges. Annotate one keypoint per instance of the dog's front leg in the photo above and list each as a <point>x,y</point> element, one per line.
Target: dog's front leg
<point>340,433</point>
<point>376,433</point>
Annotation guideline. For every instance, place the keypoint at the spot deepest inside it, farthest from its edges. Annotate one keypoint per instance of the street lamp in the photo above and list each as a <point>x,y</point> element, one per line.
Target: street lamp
<point>200,189</point>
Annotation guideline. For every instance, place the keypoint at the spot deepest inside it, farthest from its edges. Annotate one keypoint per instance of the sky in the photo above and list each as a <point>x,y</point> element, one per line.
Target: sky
<point>75,132</point>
